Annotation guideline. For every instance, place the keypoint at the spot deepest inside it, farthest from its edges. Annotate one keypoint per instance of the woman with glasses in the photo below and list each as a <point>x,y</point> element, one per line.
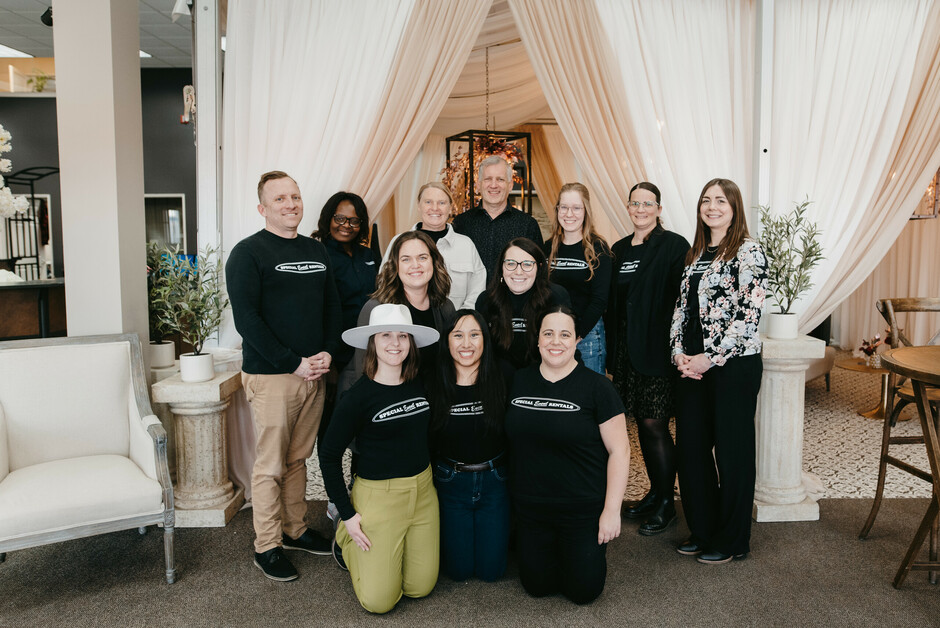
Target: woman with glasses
<point>569,457</point>
<point>343,229</point>
<point>468,443</point>
<point>516,299</point>
<point>414,276</point>
<point>647,267</point>
<point>579,260</point>
<point>716,349</point>
<point>466,270</point>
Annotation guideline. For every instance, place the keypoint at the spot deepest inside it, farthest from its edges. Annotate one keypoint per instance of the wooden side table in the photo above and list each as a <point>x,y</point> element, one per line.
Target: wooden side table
<point>861,366</point>
<point>922,366</point>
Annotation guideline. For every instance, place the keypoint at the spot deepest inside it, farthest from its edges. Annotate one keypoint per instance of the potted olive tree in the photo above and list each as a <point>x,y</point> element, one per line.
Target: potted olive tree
<point>190,293</point>
<point>791,244</point>
<point>162,351</point>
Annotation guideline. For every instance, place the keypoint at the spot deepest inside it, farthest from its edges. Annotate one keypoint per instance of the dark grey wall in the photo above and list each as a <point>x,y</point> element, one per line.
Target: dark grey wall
<point>169,151</point>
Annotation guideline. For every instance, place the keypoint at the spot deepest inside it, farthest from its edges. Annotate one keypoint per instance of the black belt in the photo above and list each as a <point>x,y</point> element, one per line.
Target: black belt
<point>489,465</point>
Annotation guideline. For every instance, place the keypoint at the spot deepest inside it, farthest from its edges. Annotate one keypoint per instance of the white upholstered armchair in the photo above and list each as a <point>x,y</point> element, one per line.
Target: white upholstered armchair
<point>81,452</point>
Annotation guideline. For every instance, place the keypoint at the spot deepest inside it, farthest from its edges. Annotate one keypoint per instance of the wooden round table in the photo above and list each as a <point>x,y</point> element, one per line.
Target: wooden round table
<point>922,366</point>
<point>860,365</point>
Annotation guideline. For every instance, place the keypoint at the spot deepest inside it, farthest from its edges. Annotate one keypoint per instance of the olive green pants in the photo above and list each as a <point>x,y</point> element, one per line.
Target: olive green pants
<point>401,518</point>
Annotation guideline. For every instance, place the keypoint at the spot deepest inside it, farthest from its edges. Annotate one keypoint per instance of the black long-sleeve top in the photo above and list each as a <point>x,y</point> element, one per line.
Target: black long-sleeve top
<point>491,235</point>
<point>646,300</point>
<point>390,425</point>
<point>588,294</point>
<point>284,301</point>
<point>355,280</point>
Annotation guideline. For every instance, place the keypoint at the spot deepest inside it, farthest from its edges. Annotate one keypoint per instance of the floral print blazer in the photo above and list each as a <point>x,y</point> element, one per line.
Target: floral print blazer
<point>730,295</point>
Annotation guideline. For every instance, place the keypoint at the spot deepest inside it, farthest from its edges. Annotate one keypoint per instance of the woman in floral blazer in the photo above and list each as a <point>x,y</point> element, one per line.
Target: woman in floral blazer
<point>716,348</point>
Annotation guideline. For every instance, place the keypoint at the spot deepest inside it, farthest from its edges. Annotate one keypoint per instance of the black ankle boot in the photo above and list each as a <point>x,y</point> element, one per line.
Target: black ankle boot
<point>660,520</point>
<point>643,508</point>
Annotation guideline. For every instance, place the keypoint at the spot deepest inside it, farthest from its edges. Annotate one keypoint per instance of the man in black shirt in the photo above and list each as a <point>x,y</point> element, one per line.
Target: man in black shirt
<point>493,223</point>
<point>287,310</point>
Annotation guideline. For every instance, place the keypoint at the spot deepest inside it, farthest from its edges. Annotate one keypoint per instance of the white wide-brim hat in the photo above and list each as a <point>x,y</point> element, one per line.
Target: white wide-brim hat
<point>390,317</point>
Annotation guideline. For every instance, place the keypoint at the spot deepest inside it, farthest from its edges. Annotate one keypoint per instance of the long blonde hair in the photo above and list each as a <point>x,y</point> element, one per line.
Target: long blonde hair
<point>589,236</point>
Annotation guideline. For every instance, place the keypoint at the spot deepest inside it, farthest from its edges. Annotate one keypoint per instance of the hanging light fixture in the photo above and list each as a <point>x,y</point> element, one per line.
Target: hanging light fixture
<point>929,206</point>
<point>466,149</point>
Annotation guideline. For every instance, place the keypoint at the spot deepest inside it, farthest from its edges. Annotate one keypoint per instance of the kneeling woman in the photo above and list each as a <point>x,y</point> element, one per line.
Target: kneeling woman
<point>468,441</point>
<point>390,533</point>
<point>569,459</point>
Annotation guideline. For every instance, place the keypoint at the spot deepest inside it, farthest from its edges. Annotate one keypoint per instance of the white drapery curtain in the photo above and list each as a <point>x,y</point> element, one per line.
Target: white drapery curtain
<point>339,95</point>
<point>896,276</point>
<point>856,129</point>
<point>426,167</point>
<point>687,73</point>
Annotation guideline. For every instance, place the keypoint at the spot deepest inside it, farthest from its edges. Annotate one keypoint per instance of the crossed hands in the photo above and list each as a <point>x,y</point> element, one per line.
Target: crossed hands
<point>692,366</point>
<point>314,367</point>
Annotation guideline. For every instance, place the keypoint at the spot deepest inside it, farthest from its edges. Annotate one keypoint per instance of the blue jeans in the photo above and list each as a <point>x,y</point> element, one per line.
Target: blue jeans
<point>593,348</point>
<point>474,521</point>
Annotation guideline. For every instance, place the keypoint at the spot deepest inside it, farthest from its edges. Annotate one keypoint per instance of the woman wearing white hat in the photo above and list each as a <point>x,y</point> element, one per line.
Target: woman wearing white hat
<point>389,537</point>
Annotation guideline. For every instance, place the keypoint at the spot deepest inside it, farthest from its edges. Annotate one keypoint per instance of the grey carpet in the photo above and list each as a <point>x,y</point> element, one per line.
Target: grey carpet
<point>798,574</point>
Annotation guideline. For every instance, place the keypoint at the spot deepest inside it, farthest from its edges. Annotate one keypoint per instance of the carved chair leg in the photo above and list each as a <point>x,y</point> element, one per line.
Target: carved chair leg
<point>168,552</point>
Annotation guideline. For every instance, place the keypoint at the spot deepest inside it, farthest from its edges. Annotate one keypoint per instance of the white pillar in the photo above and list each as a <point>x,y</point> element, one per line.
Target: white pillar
<point>779,492</point>
<point>763,93</point>
<point>207,63</point>
<point>101,163</point>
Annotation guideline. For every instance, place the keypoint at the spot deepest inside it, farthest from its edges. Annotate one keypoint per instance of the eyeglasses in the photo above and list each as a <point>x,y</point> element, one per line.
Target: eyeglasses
<point>527,265</point>
<point>645,204</point>
<point>574,209</point>
<point>342,220</point>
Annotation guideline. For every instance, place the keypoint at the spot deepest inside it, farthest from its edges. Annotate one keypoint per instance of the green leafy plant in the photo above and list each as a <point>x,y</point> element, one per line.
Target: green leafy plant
<point>155,305</point>
<point>189,292</point>
<point>791,244</point>
<point>38,81</point>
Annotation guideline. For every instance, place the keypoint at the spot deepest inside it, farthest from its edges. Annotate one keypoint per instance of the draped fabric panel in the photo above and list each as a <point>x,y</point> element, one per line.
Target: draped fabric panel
<point>354,122</point>
<point>687,73</point>
<point>856,129</point>
<point>910,269</point>
<point>425,168</point>
<point>578,73</point>
<point>515,94</point>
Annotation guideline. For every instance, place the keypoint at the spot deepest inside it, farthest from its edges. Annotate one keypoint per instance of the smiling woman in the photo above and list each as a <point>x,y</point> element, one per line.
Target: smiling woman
<point>389,536</point>
<point>569,459</point>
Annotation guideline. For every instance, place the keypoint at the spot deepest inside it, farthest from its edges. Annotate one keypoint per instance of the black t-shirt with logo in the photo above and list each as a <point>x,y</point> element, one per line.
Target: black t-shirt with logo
<point>555,446</point>
<point>284,301</point>
<point>588,294</point>
<point>465,437</point>
<point>629,264</point>
<point>390,425</point>
<point>693,337</point>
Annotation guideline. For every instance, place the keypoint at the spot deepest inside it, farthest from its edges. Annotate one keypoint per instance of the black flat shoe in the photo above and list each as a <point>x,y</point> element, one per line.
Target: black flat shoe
<point>660,520</point>
<point>717,558</point>
<point>643,508</point>
<point>689,548</point>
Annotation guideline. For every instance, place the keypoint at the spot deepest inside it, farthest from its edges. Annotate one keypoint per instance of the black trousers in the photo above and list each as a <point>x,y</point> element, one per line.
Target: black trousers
<point>718,412</point>
<point>558,551</point>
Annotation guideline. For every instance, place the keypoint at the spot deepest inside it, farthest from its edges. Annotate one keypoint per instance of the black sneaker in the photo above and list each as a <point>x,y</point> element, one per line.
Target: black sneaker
<point>338,556</point>
<point>309,541</point>
<point>275,565</point>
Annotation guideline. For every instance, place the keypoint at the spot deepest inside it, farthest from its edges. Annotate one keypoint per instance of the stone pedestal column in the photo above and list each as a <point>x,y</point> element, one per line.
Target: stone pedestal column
<point>204,495</point>
<point>779,492</point>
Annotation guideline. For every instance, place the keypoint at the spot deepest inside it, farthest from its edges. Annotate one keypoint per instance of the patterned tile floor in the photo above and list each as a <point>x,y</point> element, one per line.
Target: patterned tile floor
<point>840,447</point>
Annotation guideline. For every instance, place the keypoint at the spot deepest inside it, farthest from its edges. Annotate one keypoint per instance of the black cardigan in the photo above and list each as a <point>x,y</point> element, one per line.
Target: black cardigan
<point>650,303</point>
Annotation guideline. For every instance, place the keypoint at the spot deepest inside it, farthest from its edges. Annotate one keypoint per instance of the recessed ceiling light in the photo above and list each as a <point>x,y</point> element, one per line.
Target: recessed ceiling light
<point>6,51</point>
<point>145,55</point>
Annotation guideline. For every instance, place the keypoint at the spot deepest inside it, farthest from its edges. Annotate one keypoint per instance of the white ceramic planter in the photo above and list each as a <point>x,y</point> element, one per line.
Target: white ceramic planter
<point>162,354</point>
<point>196,368</point>
<point>782,326</point>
